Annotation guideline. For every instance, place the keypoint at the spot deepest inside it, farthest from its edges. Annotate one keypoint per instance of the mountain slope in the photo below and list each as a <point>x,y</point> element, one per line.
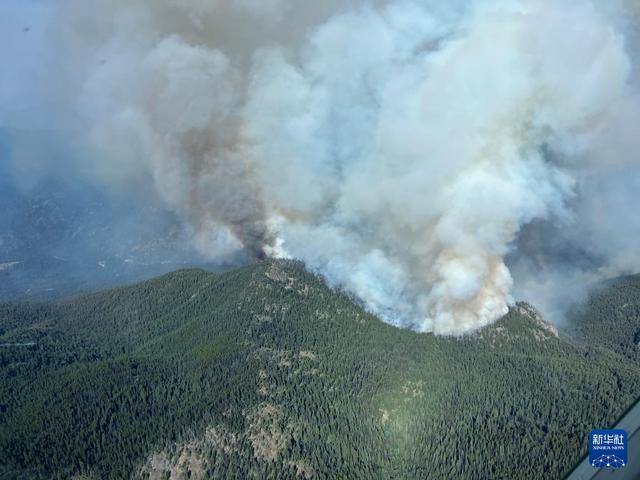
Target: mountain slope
<point>264,372</point>
<point>611,317</point>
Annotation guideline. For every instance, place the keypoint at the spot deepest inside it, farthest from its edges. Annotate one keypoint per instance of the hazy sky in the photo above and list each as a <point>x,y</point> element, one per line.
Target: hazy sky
<point>23,47</point>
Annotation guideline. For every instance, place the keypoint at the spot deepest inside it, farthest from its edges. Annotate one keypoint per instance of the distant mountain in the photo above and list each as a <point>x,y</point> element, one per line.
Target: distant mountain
<point>265,372</point>
<point>611,317</point>
<point>61,239</point>
<point>62,233</point>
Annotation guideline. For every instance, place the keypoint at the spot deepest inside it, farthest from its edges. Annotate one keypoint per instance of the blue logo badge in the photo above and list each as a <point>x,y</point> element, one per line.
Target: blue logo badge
<point>608,448</point>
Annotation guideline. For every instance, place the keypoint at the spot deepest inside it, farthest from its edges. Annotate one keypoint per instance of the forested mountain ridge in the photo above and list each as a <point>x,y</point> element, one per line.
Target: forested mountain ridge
<point>264,372</point>
<point>611,317</point>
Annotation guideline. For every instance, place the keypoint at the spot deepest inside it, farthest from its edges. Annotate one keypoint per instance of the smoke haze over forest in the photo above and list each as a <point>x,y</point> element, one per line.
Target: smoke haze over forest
<point>434,159</point>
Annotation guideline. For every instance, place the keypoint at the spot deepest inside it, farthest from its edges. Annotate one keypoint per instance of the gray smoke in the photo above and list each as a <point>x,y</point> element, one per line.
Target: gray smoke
<point>426,156</point>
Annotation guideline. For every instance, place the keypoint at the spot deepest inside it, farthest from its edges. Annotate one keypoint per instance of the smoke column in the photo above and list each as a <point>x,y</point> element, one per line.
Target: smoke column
<point>430,158</point>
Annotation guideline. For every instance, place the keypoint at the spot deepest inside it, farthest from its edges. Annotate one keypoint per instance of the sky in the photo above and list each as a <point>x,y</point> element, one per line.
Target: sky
<point>23,48</point>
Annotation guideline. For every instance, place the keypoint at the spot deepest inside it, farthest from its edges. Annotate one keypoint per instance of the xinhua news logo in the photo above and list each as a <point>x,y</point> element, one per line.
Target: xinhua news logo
<point>608,448</point>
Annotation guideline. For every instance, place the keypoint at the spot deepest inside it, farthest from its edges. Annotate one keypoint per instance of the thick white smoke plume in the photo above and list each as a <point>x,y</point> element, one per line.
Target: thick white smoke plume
<point>407,150</point>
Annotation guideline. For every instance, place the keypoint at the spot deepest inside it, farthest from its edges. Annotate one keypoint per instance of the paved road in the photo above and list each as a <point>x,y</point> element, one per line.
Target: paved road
<point>631,424</point>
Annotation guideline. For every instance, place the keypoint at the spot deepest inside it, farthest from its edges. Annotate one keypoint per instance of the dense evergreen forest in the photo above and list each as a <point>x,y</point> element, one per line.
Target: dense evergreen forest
<point>264,372</point>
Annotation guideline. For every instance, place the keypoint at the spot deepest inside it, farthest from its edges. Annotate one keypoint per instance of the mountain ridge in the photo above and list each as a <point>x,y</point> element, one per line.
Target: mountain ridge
<point>264,371</point>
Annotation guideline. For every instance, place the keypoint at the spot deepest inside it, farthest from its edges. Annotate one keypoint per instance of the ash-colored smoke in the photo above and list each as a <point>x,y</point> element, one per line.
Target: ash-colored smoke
<point>402,149</point>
